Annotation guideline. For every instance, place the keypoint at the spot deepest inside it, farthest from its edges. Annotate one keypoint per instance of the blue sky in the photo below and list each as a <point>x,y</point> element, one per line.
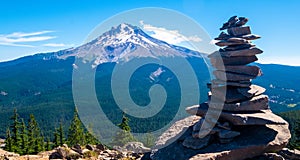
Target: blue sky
<point>34,26</point>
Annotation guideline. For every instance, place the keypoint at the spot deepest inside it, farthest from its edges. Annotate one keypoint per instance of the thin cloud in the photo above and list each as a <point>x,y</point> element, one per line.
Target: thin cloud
<point>16,45</point>
<point>170,36</point>
<point>22,34</point>
<point>57,45</point>
<point>18,38</point>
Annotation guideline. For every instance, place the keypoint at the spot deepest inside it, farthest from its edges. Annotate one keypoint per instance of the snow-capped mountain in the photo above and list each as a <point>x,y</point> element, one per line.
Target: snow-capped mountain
<point>124,42</point>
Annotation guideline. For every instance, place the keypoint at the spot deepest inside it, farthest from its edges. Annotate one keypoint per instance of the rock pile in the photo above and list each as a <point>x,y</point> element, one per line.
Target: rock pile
<point>236,122</point>
<point>242,103</point>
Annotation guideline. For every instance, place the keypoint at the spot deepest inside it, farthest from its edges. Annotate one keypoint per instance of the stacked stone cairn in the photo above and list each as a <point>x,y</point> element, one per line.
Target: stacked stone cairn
<point>233,99</point>
<point>236,122</point>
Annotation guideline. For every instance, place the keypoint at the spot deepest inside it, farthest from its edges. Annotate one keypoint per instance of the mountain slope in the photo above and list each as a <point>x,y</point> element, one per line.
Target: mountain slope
<point>42,84</point>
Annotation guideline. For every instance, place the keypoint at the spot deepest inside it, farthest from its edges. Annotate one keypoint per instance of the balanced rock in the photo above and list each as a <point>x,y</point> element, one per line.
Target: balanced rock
<point>242,52</point>
<point>236,47</point>
<point>250,37</point>
<point>239,60</point>
<point>223,36</point>
<point>247,70</point>
<point>262,117</point>
<point>232,42</point>
<point>242,21</point>
<point>217,82</point>
<point>239,31</point>
<point>236,113</point>
<point>235,94</point>
<point>229,76</point>
<point>230,23</point>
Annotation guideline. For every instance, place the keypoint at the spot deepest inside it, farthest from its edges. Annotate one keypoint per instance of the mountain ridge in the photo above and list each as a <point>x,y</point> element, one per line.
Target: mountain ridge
<point>42,84</point>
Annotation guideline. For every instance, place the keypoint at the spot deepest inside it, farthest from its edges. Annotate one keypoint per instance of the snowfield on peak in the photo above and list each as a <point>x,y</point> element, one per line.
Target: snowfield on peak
<point>125,42</point>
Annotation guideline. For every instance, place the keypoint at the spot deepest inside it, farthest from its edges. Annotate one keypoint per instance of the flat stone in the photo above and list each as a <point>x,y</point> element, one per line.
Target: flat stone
<point>224,125</point>
<point>242,21</point>
<point>269,156</point>
<point>262,117</point>
<point>218,83</point>
<point>228,76</point>
<point>197,126</point>
<point>253,90</point>
<point>236,94</point>
<point>230,23</point>
<point>239,60</point>
<point>231,42</point>
<point>175,131</point>
<point>290,154</point>
<point>225,140</point>
<point>223,36</point>
<point>247,70</point>
<point>239,31</point>
<point>237,47</point>
<point>257,103</point>
<point>197,134</point>
<point>249,37</point>
<point>253,141</point>
<point>196,143</point>
<point>237,53</point>
<point>232,20</point>
<point>228,94</point>
<point>225,134</point>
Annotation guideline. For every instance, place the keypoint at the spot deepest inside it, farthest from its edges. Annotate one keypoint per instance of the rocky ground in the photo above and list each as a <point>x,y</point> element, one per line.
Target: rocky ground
<point>131,151</point>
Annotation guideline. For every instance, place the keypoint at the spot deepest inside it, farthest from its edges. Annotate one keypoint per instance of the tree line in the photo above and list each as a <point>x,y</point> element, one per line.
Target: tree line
<point>29,139</point>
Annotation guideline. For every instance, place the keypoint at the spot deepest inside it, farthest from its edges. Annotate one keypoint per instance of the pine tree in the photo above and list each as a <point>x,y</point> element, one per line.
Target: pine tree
<point>16,137</point>
<point>8,141</point>
<point>89,136</point>
<point>295,140</point>
<point>61,135</point>
<point>48,145</point>
<point>35,139</point>
<point>24,138</point>
<point>124,136</point>
<point>76,131</point>
<point>56,140</point>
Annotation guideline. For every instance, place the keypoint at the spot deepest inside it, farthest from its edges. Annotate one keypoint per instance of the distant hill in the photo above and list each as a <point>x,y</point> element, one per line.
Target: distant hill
<point>282,86</point>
